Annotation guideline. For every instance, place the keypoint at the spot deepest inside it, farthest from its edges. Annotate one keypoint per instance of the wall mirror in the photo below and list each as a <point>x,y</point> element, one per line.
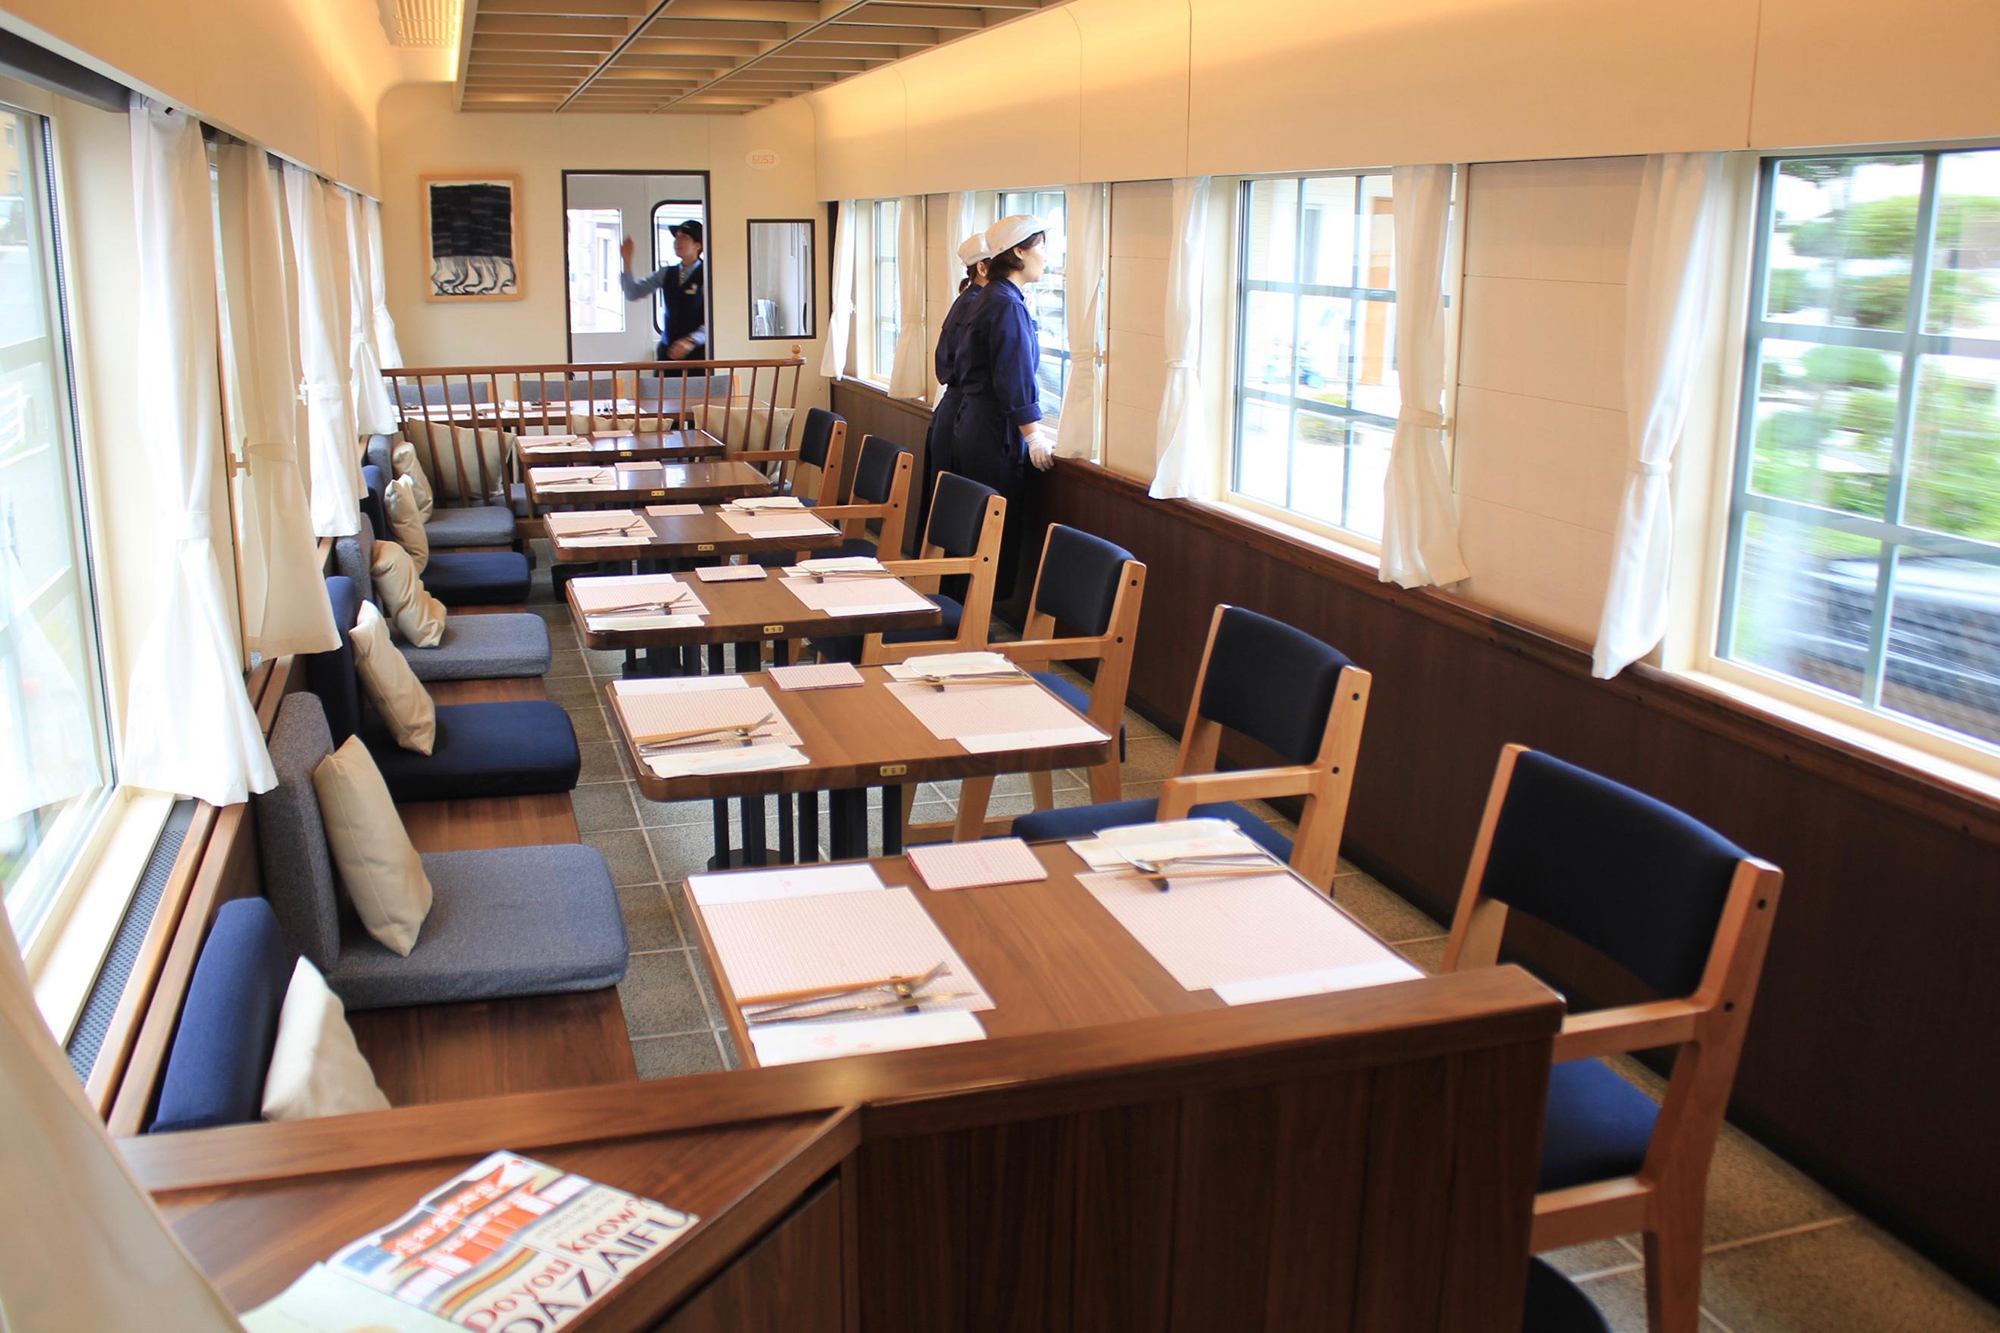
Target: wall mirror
<point>781,273</point>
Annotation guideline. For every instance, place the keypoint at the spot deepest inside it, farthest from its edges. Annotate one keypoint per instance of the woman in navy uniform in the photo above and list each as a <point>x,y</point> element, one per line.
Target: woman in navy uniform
<point>685,337</point>
<point>950,344</point>
<point>998,434</point>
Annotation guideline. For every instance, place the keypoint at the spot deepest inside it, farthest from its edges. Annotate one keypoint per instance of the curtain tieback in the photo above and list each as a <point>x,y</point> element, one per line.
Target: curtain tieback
<point>1643,468</point>
<point>186,525</point>
<point>1178,363</point>
<point>321,391</point>
<point>1418,419</point>
<point>278,449</point>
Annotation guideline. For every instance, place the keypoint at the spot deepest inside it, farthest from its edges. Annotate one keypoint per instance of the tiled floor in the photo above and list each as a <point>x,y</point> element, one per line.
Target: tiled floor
<point>1784,1255</point>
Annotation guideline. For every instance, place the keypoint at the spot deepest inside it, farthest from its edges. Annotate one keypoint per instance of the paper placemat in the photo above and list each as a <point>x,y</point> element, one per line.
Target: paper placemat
<point>672,511</point>
<point>1211,933</point>
<point>827,563</point>
<point>858,597</point>
<point>695,761</point>
<point>779,524</point>
<point>793,1043</point>
<point>581,474</point>
<point>1080,733</point>
<point>680,685</point>
<point>972,865</point>
<point>588,528</point>
<point>743,886</point>
<point>1005,709</point>
<point>652,713</point>
<point>729,573</point>
<point>815,676</point>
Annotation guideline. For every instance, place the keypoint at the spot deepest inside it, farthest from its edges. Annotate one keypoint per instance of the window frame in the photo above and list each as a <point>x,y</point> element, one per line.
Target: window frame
<point>1865,713</point>
<point>659,302</point>
<point>870,319</point>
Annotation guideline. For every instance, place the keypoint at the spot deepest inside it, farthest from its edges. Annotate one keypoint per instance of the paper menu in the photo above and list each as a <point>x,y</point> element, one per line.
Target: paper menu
<point>755,502</point>
<point>815,676</point>
<point>780,524</point>
<point>793,1043</point>
<point>673,510</point>
<point>1219,933</point>
<point>874,596</point>
<point>729,573</point>
<point>736,758</point>
<point>1116,848</point>
<point>508,1240</point>
<point>971,865</point>
<point>742,886</point>
<point>950,664</point>
<point>1004,709</point>
<point>832,564</point>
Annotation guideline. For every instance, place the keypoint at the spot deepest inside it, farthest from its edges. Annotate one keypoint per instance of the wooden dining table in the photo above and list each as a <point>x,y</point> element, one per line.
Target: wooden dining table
<point>747,611</point>
<point>704,482</point>
<point>704,536</point>
<point>646,446</point>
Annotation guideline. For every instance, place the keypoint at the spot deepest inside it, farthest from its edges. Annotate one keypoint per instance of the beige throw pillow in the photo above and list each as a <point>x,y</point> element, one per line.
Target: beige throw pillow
<point>417,616</point>
<point>406,520</point>
<point>403,458</point>
<point>380,868</point>
<point>316,1067</point>
<point>392,687</point>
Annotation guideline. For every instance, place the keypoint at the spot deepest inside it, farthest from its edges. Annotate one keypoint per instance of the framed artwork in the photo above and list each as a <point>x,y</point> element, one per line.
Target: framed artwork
<point>472,228</point>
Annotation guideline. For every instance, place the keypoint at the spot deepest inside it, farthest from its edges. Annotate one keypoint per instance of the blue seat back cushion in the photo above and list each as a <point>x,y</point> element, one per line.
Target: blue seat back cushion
<point>331,674</point>
<point>1632,877</point>
<point>1080,577</point>
<point>354,557</point>
<point>299,878</point>
<point>817,437</point>
<point>1272,683</point>
<point>229,1022</point>
<point>876,472</point>
<point>374,481</point>
<point>376,454</point>
<point>958,515</point>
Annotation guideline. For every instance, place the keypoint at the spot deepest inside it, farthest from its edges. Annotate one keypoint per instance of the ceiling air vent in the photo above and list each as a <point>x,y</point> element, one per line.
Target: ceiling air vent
<point>420,22</point>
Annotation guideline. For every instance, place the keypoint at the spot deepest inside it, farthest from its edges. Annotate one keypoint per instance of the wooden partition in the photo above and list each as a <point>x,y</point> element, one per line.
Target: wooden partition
<point>1357,1161</point>
<point>1865,1062</point>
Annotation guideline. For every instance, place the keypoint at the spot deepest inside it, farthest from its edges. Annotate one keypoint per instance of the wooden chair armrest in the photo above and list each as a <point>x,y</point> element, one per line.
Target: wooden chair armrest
<point>836,513</point>
<point>1037,652</point>
<point>1182,793</point>
<point>764,455</point>
<point>1631,1027</point>
<point>907,569</point>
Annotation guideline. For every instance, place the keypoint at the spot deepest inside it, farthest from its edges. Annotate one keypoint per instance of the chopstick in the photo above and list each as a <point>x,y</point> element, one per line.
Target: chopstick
<point>788,998</point>
<point>906,1003</point>
<point>675,737</point>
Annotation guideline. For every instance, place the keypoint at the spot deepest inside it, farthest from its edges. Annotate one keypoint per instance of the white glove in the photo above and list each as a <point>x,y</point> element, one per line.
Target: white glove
<point>1041,451</point>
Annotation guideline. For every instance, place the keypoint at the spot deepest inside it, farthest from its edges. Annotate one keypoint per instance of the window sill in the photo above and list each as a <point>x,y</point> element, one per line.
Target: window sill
<point>1738,689</point>
<point>68,965</point>
<point>1314,537</point>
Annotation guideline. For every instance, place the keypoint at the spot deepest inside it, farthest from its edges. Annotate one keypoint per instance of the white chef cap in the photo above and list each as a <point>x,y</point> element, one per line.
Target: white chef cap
<point>1010,232</point>
<point>973,249</point>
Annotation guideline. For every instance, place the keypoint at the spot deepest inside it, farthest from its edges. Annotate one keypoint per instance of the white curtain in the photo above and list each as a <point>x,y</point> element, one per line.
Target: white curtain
<point>1419,523</point>
<point>82,1247</point>
<point>910,376</point>
<point>387,350</point>
<point>189,725</point>
<point>1670,279</point>
<point>1083,309</point>
<point>284,603</point>
<point>333,445</point>
<point>373,414</point>
<point>958,224</point>
<point>840,320</point>
<point>1186,451</point>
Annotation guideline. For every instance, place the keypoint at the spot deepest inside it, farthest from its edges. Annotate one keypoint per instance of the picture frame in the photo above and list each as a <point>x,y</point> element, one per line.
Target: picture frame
<point>472,236</point>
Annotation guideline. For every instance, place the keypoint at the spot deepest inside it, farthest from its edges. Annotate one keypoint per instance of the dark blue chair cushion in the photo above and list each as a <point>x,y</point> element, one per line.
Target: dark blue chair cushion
<point>374,481</point>
<point>331,674</point>
<point>1086,821</point>
<point>229,1023</point>
<point>1076,697</point>
<point>958,514</point>
<point>847,647</point>
<point>1557,1305</point>
<point>1630,876</point>
<point>478,578</point>
<point>875,472</point>
<point>1596,1128</point>
<point>817,436</point>
<point>1272,683</point>
<point>1080,576</point>
<point>519,748</point>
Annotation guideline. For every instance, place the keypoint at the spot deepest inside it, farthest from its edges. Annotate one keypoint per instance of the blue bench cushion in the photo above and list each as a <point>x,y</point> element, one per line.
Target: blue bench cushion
<point>229,1023</point>
<point>470,525</point>
<point>1076,697</point>
<point>517,748</point>
<point>354,558</point>
<point>489,647</point>
<point>1596,1128</point>
<point>503,921</point>
<point>1085,821</point>
<point>847,647</point>
<point>478,578</point>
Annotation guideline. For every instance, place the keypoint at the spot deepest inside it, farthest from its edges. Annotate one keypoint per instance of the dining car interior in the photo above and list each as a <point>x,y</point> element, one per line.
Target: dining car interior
<point>999,666</point>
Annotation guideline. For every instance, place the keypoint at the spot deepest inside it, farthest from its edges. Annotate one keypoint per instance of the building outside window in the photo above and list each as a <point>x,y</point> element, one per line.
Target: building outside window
<point>668,214</point>
<point>1047,298</point>
<point>55,764</point>
<point>596,301</point>
<point>883,318</point>
<point>1316,392</point>
<point>1864,532</point>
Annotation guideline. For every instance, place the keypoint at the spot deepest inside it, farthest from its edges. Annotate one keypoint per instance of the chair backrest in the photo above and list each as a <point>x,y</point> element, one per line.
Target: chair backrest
<point>880,494</point>
<point>332,674</point>
<point>957,517</point>
<point>1296,696</point>
<point>822,445</point>
<point>221,1051</point>
<point>1078,581</point>
<point>374,482</point>
<point>354,558</point>
<point>299,874</point>
<point>962,542</point>
<point>376,453</point>
<point>875,472</point>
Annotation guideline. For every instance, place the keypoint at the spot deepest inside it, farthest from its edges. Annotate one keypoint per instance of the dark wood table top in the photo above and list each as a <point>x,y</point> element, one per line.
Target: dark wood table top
<point>713,480</point>
<point>646,446</point>
<point>678,536</point>
<point>1048,953</point>
<point>855,736</point>
<point>748,611</point>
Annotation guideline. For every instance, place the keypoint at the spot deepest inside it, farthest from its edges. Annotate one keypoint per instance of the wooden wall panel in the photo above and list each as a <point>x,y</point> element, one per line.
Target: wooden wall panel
<point>1861,1064</point>
<point>789,1280</point>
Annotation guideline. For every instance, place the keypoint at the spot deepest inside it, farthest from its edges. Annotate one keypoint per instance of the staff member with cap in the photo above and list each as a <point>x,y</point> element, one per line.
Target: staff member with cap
<point>685,337</point>
<point>972,253</point>
<point>998,434</point>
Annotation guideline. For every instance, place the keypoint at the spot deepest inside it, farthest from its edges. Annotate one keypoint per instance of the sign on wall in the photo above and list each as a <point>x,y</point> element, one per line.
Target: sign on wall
<point>472,234</point>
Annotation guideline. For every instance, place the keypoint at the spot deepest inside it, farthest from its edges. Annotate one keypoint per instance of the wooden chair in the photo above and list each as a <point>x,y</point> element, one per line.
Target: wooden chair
<point>1688,914</point>
<point>962,539</point>
<point>822,446</point>
<point>1089,586</point>
<point>880,494</point>
<point>1287,691</point>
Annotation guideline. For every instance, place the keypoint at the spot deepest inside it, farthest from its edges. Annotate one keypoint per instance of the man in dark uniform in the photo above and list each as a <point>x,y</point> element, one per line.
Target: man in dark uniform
<point>686,334</point>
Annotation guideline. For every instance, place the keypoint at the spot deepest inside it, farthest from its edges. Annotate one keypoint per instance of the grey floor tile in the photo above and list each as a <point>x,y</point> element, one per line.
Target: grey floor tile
<point>566,662</point>
<point>589,722</point>
<point>1021,803</point>
<point>1149,759</point>
<point>601,763</point>
<point>660,996</point>
<point>705,983</point>
<point>1427,954</point>
<point>1592,1258</point>
<point>1621,1299</point>
<point>673,814</point>
<point>1383,912</point>
<point>604,806</point>
<point>668,1057</point>
<point>605,663</point>
<point>681,850</point>
<point>1752,1192</point>
<point>567,690</point>
<point>1845,1278</point>
<point>727,1045</point>
<point>649,918</point>
<point>625,850</point>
